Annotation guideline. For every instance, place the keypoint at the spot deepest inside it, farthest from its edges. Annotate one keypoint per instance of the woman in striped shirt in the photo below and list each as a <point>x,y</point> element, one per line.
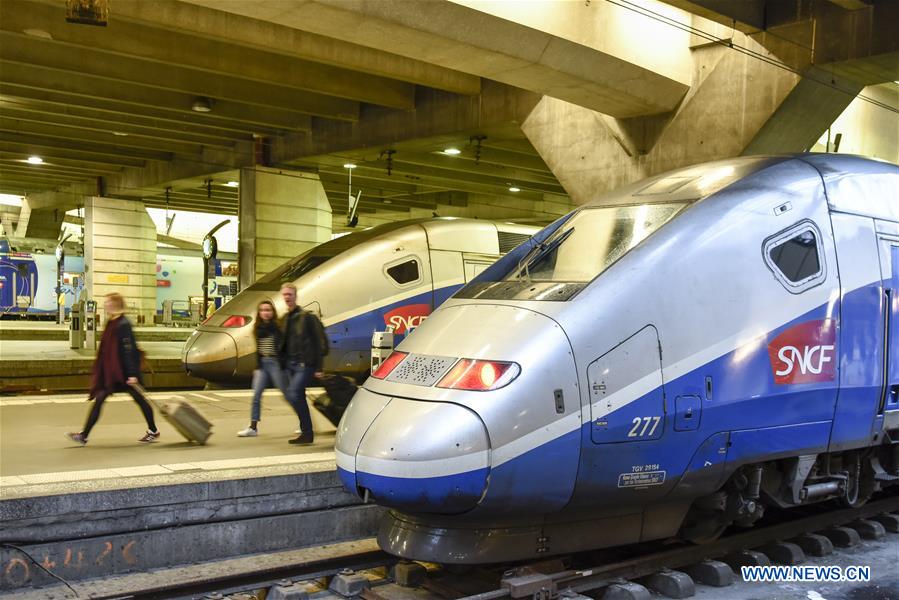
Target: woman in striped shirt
<point>268,371</point>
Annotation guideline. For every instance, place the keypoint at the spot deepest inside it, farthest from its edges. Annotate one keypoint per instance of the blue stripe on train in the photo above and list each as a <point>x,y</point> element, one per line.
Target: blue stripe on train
<point>350,339</point>
<point>749,416</point>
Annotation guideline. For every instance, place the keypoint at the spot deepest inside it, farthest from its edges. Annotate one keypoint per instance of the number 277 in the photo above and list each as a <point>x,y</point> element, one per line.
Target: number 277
<point>637,431</point>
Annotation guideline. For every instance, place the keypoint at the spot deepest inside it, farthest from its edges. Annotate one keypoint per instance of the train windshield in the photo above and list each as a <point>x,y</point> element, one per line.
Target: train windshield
<point>575,254</point>
<point>590,241</point>
<point>294,269</point>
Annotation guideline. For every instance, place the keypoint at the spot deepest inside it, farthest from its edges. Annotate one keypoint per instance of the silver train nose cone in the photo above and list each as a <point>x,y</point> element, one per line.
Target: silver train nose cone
<point>210,355</point>
<point>428,457</point>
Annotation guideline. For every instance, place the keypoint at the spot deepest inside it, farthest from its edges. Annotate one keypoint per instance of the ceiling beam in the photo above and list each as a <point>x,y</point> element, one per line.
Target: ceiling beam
<point>273,37</point>
<point>139,97</point>
<point>112,150</point>
<point>127,144</point>
<point>176,49</point>
<point>27,50</point>
<point>86,166</point>
<point>28,147</point>
<point>111,127</point>
<point>175,118</point>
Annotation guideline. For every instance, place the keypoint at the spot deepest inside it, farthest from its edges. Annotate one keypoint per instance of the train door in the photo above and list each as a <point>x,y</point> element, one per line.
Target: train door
<point>622,457</point>
<point>448,271</point>
<point>861,341</point>
<point>888,408</point>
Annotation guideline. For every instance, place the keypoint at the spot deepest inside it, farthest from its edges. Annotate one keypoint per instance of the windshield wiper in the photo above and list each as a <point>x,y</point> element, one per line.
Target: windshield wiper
<point>538,252</point>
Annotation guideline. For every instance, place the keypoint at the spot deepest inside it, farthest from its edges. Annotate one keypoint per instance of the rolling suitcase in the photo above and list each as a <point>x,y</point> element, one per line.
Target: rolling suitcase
<point>339,391</point>
<point>183,417</point>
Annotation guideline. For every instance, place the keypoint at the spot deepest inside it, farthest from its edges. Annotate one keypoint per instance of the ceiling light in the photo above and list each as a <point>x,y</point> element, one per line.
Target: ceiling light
<point>119,133</point>
<point>233,184</point>
<point>349,166</point>
<point>452,151</point>
<point>38,33</point>
<point>201,104</point>
<point>35,160</point>
<point>514,189</point>
<point>388,201</point>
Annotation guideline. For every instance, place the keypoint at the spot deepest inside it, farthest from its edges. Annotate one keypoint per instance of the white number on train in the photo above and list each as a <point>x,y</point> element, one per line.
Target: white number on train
<point>636,431</point>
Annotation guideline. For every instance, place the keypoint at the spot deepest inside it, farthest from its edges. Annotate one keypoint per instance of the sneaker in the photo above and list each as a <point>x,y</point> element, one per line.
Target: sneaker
<point>149,437</point>
<point>248,432</point>
<point>78,438</point>
<point>304,439</point>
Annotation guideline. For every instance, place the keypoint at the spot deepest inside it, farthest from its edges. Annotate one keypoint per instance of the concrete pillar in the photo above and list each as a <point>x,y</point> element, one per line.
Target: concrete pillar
<point>736,103</point>
<point>120,255</point>
<point>282,214</point>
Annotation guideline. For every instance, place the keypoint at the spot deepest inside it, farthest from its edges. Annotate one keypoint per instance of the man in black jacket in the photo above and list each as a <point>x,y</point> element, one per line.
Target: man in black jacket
<point>303,348</point>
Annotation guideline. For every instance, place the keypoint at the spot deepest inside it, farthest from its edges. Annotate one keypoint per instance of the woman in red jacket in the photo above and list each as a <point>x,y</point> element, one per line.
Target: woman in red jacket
<point>116,369</point>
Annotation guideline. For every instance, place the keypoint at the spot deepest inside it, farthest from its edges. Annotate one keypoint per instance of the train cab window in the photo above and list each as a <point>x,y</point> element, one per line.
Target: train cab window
<point>404,272</point>
<point>796,257</point>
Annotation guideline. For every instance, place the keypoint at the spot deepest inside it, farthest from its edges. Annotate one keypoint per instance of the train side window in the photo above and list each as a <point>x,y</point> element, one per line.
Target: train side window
<point>796,257</point>
<point>404,272</point>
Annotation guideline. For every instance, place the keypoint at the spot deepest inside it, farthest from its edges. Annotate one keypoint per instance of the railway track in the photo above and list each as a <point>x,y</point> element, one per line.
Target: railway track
<point>372,575</point>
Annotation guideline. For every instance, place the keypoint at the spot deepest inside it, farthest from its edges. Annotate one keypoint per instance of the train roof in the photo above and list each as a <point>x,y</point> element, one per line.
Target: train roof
<point>858,185</point>
<point>854,184</point>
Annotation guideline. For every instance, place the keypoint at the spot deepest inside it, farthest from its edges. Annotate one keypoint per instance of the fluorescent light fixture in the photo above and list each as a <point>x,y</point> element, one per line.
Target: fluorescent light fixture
<point>35,160</point>
<point>349,166</point>
<point>514,189</point>
<point>452,151</point>
<point>233,184</point>
<point>119,133</point>
<point>10,200</point>
<point>201,104</point>
<point>38,33</point>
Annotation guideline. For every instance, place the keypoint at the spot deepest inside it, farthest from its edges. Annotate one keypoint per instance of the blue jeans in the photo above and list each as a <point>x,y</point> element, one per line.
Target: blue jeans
<point>300,376</point>
<point>269,373</point>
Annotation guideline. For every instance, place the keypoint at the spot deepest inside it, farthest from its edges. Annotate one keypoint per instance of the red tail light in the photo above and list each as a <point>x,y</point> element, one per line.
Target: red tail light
<point>389,365</point>
<point>479,375</point>
<point>235,321</point>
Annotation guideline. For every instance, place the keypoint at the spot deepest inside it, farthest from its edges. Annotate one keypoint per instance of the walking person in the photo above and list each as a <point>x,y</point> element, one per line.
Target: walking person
<point>116,369</point>
<point>303,348</point>
<point>268,364</point>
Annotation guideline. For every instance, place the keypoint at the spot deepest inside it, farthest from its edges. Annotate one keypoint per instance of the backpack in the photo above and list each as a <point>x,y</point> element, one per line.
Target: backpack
<point>319,331</point>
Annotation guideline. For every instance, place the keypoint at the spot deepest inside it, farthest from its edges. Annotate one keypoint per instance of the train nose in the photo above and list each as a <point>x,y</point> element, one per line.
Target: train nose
<point>210,355</point>
<point>418,456</point>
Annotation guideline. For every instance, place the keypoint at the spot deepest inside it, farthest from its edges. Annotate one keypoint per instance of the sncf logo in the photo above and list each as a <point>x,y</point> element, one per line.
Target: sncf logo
<point>406,318</point>
<point>805,353</point>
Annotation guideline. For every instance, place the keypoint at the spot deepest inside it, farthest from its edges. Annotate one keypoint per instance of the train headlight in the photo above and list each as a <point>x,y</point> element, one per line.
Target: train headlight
<point>479,375</point>
<point>389,365</point>
<point>236,321</point>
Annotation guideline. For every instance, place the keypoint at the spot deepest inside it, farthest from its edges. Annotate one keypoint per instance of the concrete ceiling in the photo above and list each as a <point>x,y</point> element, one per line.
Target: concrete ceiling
<point>115,103</point>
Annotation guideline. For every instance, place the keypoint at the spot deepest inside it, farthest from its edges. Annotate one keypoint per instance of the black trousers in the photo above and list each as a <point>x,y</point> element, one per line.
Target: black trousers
<point>98,406</point>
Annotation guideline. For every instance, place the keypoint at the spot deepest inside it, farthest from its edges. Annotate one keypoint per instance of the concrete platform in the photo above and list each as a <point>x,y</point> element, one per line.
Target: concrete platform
<point>34,450</point>
<point>117,506</point>
<point>26,330</point>
<point>34,366</point>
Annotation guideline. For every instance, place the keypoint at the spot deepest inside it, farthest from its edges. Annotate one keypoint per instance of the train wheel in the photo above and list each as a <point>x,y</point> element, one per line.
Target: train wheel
<point>707,519</point>
<point>704,532</point>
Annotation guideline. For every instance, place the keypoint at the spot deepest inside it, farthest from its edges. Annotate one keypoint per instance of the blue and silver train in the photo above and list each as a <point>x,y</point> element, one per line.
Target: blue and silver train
<point>389,275</point>
<point>668,360</point>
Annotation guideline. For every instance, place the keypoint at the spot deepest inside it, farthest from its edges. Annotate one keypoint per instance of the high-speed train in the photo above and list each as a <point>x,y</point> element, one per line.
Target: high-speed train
<point>668,360</point>
<point>392,274</point>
